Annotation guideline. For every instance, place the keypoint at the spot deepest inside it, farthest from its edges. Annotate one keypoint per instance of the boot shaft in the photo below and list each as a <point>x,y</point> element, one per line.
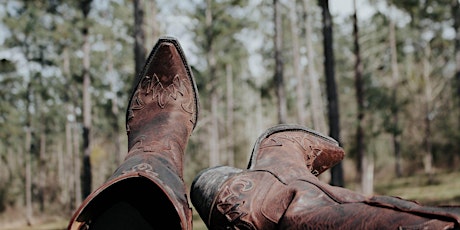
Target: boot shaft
<point>230,198</point>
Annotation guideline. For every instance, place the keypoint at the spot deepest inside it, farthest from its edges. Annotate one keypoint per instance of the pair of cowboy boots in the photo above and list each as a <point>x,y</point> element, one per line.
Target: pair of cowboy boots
<point>280,190</point>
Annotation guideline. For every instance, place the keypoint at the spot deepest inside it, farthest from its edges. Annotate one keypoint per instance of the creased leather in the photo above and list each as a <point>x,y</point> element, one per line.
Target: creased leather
<point>245,203</point>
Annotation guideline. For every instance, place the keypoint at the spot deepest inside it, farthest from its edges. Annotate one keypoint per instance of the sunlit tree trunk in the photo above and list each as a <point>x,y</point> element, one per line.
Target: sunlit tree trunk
<point>395,107</point>
<point>115,134</point>
<point>28,159</point>
<point>214,157</point>
<point>316,100</point>
<point>77,165</point>
<point>72,144</point>
<point>333,106</point>
<point>87,178</point>
<point>300,89</point>
<point>230,118</point>
<point>64,158</point>
<point>428,157</point>
<point>152,25</point>
<point>279,79</point>
<point>42,171</point>
<point>364,161</point>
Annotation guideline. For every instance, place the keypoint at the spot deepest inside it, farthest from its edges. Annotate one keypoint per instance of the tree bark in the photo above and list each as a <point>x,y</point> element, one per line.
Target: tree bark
<point>316,100</point>
<point>395,108</point>
<point>152,26</point>
<point>28,182</point>
<point>428,157</point>
<point>455,5</point>
<point>65,157</point>
<point>365,162</point>
<point>86,176</point>
<point>230,118</point>
<point>77,166</point>
<point>333,107</point>
<point>117,155</point>
<point>300,88</point>
<point>279,79</point>
<point>72,146</point>
<point>214,156</point>
<point>139,36</point>
<point>42,171</point>
<point>28,159</point>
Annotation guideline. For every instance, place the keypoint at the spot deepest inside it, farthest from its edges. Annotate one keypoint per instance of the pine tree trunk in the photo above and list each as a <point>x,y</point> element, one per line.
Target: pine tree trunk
<point>69,164</point>
<point>367,178</point>
<point>316,100</point>
<point>42,172</point>
<point>87,174</point>
<point>395,108</point>
<point>77,166</point>
<point>87,177</point>
<point>28,160</point>
<point>359,96</point>
<point>428,157</point>
<point>230,119</point>
<point>455,5</point>
<point>139,36</point>
<point>279,79</point>
<point>214,156</point>
<point>331,90</point>
<point>64,167</point>
<point>300,88</point>
<point>117,155</point>
<point>365,162</point>
<point>152,26</point>
<point>28,182</point>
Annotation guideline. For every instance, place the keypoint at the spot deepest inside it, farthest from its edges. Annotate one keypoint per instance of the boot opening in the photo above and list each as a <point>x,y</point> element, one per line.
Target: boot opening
<point>134,203</point>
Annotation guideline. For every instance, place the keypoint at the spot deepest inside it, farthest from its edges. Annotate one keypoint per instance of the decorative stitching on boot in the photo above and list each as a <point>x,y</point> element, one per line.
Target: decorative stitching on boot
<point>163,95</point>
<point>142,167</point>
<point>303,141</point>
<point>230,204</point>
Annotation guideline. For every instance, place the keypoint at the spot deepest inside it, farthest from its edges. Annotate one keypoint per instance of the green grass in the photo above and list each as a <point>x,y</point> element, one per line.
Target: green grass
<point>198,224</point>
<point>55,224</point>
<point>440,189</point>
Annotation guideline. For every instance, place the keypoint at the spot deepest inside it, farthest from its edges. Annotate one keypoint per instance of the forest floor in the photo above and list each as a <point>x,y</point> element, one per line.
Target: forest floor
<point>440,189</point>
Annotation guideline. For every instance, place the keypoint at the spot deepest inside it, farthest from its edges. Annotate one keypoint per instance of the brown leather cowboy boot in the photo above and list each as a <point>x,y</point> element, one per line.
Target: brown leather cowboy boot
<point>147,191</point>
<point>280,192</point>
<point>256,198</point>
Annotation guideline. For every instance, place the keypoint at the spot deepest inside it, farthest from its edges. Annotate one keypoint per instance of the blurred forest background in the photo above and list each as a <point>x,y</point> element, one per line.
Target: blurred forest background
<point>382,78</point>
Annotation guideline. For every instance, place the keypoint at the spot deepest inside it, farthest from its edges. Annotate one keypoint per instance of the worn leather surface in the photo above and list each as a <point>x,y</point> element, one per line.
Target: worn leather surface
<point>161,114</point>
<point>317,205</point>
<point>279,191</point>
<point>314,151</point>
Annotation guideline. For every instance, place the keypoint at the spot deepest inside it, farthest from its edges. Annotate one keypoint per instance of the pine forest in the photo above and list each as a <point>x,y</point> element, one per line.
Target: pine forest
<point>382,77</point>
